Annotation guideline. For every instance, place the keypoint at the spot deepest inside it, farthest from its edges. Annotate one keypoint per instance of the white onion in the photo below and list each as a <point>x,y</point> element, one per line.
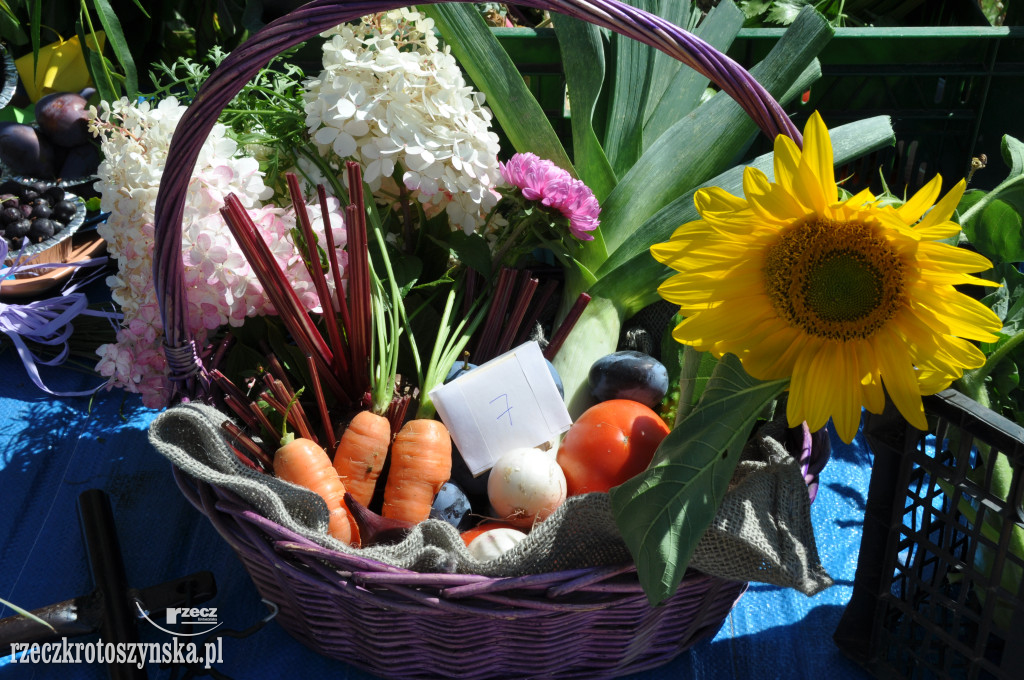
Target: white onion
<point>525,486</point>
<point>494,543</point>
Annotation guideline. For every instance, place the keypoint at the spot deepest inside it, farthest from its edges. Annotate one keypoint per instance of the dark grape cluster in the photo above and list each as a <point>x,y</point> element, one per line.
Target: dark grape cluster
<point>36,211</point>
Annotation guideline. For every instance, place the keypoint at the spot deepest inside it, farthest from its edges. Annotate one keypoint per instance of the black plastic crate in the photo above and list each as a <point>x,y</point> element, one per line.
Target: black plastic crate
<point>939,591</point>
<point>952,93</point>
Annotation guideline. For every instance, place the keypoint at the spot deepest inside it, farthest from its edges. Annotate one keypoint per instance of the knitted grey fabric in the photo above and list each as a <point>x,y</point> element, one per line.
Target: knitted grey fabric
<point>762,531</point>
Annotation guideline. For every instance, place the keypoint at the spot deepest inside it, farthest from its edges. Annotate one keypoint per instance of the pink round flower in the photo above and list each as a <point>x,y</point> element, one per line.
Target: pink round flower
<point>541,180</point>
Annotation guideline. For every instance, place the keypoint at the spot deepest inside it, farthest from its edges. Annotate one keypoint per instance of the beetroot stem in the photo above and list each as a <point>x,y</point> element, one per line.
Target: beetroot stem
<point>546,291</point>
<point>359,277</point>
<point>321,404</point>
<point>254,455</point>
<point>339,363</point>
<point>239,408</point>
<point>563,330</point>
<point>272,434</point>
<point>524,293</point>
<point>332,258</point>
<point>286,396</point>
<point>495,316</point>
<point>280,292</point>
<point>290,415</point>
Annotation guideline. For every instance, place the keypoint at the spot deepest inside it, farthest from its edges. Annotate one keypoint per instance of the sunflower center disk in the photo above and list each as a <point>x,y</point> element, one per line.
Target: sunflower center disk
<point>834,280</point>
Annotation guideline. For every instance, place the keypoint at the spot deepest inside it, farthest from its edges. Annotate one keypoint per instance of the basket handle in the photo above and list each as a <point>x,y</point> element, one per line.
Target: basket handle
<point>315,17</point>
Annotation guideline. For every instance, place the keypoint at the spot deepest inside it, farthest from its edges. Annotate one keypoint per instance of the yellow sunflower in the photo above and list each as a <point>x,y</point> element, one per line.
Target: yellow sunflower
<point>842,297</point>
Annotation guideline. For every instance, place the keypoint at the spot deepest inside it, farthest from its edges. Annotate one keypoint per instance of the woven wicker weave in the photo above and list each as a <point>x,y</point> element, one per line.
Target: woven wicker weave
<point>590,623</point>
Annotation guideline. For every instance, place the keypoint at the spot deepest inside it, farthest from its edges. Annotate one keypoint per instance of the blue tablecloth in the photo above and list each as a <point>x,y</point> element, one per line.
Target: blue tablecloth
<point>53,449</point>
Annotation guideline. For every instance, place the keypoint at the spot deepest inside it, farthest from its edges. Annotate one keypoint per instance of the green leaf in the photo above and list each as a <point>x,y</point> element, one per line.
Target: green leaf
<point>1013,153</point>
<point>704,143</point>
<point>754,8</point>
<point>1005,377</point>
<point>663,512</point>
<point>784,12</point>
<point>494,74</point>
<point>640,75</point>
<point>631,276</point>
<point>115,38</point>
<point>718,29</point>
<point>1013,192</point>
<point>632,70</point>
<point>663,66</point>
<point>470,249</point>
<point>996,232</point>
<point>582,49</point>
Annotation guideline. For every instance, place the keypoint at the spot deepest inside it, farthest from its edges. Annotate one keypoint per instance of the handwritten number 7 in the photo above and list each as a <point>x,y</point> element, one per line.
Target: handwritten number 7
<point>508,408</point>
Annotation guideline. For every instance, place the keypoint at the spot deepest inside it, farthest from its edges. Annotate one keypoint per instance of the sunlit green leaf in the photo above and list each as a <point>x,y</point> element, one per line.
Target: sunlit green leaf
<point>582,48</point>
<point>996,232</point>
<point>718,29</point>
<point>706,142</point>
<point>663,512</point>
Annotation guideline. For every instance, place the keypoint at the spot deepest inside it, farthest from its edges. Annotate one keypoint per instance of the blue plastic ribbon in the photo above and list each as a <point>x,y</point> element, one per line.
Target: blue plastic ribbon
<point>45,322</point>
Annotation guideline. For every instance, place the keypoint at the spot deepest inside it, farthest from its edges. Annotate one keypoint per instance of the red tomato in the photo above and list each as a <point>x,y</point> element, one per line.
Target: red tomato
<point>611,442</point>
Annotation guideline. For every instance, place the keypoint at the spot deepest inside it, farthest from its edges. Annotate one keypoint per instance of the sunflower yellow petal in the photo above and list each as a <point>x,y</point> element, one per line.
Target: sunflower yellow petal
<point>900,380</point>
<point>817,157</point>
<point>945,208</point>
<point>924,198</point>
<point>870,385</point>
<point>810,392</point>
<point>938,231</point>
<point>846,382</point>
<point>960,315</point>
<point>859,199</point>
<point>945,256</point>
<point>808,190</point>
<point>723,322</point>
<point>717,200</point>
<point>772,202</point>
<point>686,290</point>
<point>787,160</point>
<point>776,353</point>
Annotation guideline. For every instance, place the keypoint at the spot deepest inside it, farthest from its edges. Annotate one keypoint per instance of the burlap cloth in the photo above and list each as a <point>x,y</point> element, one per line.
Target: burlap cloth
<point>762,531</point>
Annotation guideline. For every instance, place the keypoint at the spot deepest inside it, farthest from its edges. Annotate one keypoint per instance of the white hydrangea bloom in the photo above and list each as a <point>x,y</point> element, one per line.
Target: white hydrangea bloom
<point>220,286</point>
<point>388,98</point>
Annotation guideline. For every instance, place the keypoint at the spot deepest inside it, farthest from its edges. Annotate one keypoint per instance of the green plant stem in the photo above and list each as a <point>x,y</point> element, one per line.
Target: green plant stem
<point>511,239</point>
<point>972,383</point>
<point>985,200</point>
<point>447,347</point>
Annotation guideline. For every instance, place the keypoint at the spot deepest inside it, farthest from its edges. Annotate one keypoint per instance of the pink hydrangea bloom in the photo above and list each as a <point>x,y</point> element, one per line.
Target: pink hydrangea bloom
<point>541,180</point>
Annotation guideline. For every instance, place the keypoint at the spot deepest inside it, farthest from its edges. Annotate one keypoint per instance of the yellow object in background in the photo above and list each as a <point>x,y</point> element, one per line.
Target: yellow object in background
<point>61,67</point>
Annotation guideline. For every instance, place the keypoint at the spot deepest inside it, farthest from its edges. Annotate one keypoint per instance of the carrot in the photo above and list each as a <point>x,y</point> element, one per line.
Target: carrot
<point>303,462</point>
<point>421,462</point>
<point>361,452</point>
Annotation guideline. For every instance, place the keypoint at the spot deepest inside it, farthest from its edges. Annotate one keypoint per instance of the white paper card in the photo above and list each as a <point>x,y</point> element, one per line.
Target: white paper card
<point>508,402</point>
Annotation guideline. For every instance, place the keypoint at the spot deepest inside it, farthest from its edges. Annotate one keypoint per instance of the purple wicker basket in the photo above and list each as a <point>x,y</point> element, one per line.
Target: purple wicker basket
<point>587,623</point>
